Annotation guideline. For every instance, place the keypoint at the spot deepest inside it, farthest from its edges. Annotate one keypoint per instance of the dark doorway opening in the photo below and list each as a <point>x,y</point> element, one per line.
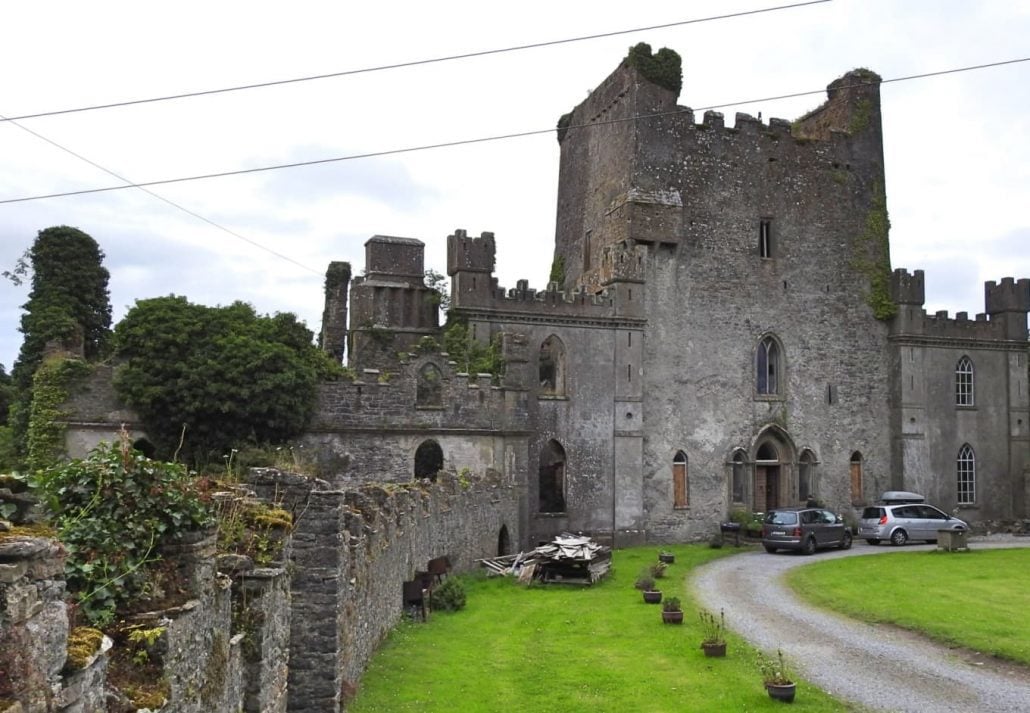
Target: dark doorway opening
<point>428,460</point>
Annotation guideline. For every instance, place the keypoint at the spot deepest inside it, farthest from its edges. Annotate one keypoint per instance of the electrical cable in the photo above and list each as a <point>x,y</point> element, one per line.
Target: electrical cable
<point>163,199</point>
<point>413,63</point>
<point>499,137</point>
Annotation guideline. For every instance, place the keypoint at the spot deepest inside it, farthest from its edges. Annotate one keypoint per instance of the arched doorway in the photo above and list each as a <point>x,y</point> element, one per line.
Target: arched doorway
<point>551,481</point>
<point>773,456</point>
<point>428,460</point>
<point>503,542</point>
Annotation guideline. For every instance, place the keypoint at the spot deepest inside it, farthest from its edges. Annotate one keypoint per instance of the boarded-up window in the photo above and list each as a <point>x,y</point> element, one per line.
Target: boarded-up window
<point>806,477</point>
<point>430,383</point>
<point>552,367</point>
<point>680,483</point>
<point>738,476</point>
<point>856,478</point>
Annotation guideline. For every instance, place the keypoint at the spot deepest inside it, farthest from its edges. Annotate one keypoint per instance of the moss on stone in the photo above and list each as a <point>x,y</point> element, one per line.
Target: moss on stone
<point>217,668</point>
<point>861,117</point>
<point>83,643</point>
<point>36,529</point>
<point>664,67</point>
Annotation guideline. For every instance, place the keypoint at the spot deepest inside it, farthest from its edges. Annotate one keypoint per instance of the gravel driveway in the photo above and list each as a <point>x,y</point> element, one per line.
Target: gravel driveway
<point>876,666</point>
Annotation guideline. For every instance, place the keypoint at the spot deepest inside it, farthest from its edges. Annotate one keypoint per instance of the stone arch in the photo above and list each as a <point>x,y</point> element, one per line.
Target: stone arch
<point>429,391</point>
<point>428,459</point>
<point>503,542</point>
<point>551,366</point>
<point>552,478</point>
<point>773,451</point>
<point>144,446</point>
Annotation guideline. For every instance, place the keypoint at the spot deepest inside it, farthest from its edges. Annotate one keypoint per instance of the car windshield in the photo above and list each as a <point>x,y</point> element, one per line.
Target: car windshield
<point>872,513</point>
<point>782,518</point>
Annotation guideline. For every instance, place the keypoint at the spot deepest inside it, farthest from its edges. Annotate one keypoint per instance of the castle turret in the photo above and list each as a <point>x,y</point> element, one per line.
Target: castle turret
<point>1009,302</point>
<point>470,265</point>
<point>391,307</point>
<point>334,315</point>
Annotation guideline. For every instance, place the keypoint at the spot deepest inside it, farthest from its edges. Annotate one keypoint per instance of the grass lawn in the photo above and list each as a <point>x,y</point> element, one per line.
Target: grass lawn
<point>569,648</point>
<point>978,599</point>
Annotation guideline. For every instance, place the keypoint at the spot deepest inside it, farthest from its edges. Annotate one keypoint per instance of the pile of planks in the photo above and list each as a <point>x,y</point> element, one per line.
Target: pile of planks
<point>568,559</point>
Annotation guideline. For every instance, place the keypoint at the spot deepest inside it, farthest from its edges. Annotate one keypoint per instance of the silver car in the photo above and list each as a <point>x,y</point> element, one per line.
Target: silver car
<point>904,521</point>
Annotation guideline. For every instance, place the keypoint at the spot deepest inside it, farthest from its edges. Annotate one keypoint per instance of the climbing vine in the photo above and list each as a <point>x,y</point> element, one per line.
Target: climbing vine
<point>50,388</point>
<point>557,270</point>
<point>872,256</point>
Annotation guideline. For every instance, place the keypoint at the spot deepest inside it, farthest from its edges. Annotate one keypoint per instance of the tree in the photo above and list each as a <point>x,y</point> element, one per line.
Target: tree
<point>68,303</point>
<point>225,374</point>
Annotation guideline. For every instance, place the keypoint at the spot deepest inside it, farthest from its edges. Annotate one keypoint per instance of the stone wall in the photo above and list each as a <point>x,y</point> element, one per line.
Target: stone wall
<point>34,633</point>
<point>353,549</point>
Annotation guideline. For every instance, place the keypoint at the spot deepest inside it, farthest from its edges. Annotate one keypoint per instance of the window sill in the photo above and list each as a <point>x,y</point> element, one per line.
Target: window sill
<point>552,397</point>
<point>769,397</point>
<point>550,515</point>
<point>961,407</point>
<point>680,507</point>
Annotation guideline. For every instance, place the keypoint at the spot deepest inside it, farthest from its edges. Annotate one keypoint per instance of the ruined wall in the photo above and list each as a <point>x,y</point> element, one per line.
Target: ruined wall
<point>352,549</point>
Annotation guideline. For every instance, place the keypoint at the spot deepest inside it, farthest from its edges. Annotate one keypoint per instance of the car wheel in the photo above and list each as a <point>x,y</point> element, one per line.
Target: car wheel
<point>899,537</point>
<point>770,549</point>
<point>808,546</point>
<point>845,543</point>
<point>873,541</point>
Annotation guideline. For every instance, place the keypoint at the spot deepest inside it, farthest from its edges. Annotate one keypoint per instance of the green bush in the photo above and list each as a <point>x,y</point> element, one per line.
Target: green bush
<point>449,596</point>
<point>112,510</point>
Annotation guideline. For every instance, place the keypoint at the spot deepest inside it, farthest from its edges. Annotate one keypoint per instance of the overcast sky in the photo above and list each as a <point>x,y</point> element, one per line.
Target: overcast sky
<point>957,146</point>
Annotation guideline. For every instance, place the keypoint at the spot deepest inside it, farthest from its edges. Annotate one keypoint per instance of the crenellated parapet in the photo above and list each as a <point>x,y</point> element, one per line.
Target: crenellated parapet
<point>384,399</point>
<point>1006,306</point>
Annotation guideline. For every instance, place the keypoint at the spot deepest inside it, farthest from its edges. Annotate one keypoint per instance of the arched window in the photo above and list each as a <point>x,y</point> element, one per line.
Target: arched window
<point>680,483</point>
<point>428,460</point>
<point>966,470</point>
<point>552,478</point>
<point>806,476</point>
<point>964,382</point>
<point>430,386</point>
<point>768,367</point>
<point>145,447</point>
<point>552,367</point>
<point>856,478</point>
<point>738,476</point>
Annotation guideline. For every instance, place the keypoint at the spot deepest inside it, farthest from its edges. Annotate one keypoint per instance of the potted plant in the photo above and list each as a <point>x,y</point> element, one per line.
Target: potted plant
<point>672,613</point>
<point>645,583</point>
<point>666,557</point>
<point>777,677</point>
<point>658,569</point>
<point>713,633</point>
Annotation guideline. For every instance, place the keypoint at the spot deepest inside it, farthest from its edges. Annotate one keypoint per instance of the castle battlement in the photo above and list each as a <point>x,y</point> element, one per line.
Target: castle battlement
<point>1010,295</point>
<point>1006,303</point>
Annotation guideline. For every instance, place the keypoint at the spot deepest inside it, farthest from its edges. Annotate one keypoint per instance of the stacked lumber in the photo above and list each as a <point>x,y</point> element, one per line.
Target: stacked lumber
<point>568,559</point>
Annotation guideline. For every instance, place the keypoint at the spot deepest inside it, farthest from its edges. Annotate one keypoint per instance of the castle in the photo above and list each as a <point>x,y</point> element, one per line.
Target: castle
<point>723,332</point>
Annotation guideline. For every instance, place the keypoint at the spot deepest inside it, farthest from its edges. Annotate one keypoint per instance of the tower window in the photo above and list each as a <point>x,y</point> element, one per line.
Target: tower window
<point>680,487</point>
<point>765,245</point>
<point>966,470</point>
<point>768,367</point>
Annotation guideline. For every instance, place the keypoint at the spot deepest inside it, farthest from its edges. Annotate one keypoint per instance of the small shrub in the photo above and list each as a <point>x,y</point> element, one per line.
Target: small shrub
<point>449,596</point>
<point>658,570</point>
<point>775,669</point>
<point>715,542</point>
<point>671,604</point>
<point>645,582</point>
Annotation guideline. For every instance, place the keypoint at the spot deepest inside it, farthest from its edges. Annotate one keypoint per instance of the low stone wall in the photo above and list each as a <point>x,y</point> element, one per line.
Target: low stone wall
<point>353,549</point>
<point>34,633</point>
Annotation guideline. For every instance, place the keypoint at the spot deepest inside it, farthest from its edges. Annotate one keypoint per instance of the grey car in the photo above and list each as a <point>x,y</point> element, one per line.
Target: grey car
<point>899,523</point>
<point>805,529</point>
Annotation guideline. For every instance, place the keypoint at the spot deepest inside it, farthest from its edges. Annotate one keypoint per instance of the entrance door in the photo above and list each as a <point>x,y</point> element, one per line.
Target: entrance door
<point>767,487</point>
<point>772,487</point>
